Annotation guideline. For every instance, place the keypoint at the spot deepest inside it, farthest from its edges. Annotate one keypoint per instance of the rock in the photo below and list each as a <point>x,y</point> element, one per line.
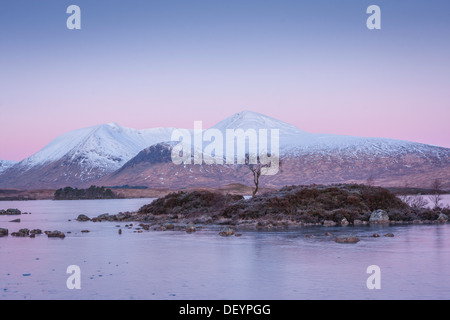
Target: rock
<point>10,212</point>
<point>190,228</point>
<point>344,222</point>
<point>169,226</point>
<point>55,234</point>
<point>238,234</point>
<point>327,234</point>
<point>329,223</point>
<point>104,217</point>
<point>389,235</point>
<point>120,231</point>
<point>22,233</point>
<point>36,231</point>
<point>443,218</point>
<point>25,231</point>
<point>226,232</point>
<point>32,235</point>
<point>83,218</point>
<point>3,232</point>
<point>346,240</point>
<point>379,216</point>
<point>15,220</point>
<point>376,235</point>
<point>85,231</point>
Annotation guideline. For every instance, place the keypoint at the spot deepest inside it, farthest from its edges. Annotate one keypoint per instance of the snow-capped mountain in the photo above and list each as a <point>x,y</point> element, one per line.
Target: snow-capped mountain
<point>112,155</point>
<point>5,164</point>
<point>82,156</point>
<point>306,158</point>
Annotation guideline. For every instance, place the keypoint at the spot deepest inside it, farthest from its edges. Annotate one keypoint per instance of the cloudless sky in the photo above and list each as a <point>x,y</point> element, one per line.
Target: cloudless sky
<point>151,63</point>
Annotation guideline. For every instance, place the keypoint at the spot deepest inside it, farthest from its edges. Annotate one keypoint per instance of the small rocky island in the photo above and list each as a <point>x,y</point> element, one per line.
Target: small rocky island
<point>293,206</point>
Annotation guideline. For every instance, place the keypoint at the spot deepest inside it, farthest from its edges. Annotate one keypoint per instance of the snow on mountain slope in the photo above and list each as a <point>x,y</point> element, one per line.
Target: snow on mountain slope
<point>5,164</point>
<point>108,146</point>
<point>100,154</point>
<point>296,142</point>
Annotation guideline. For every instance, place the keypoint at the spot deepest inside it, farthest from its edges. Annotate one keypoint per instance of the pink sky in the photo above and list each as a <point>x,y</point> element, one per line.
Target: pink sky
<point>320,70</point>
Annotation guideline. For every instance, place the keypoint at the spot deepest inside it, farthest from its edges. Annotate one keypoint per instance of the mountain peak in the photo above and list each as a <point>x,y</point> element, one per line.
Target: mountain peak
<point>253,120</point>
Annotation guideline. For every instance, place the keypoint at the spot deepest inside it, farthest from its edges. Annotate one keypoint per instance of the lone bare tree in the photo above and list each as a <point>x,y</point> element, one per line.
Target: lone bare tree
<point>436,193</point>
<point>257,170</point>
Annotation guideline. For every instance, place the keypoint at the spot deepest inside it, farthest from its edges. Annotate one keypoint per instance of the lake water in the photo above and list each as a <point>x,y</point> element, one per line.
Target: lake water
<point>415,264</point>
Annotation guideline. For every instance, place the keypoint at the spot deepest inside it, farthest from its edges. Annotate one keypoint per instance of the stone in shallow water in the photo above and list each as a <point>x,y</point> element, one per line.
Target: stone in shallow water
<point>226,232</point>
<point>55,234</point>
<point>83,218</point>
<point>3,232</point>
<point>346,240</point>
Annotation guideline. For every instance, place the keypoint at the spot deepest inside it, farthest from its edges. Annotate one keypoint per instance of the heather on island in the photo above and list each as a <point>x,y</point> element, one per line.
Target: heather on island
<point>346,204</point>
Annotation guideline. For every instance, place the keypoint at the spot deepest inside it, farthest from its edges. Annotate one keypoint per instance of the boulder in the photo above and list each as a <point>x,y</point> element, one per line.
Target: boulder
<point>376,235</point>
<point>344,222</point>
<point>22,233</point>
<point>169,226</point>
<point>379,216</point>
<point>3,232</point>
<point>104,217</point>
<point>346,240</point>
<point>329,223</point>
<point>443,218</point>
<point>226,232</point>
<point>389,235</point>
<point>190,228</point>
<point>55,234</point>
<point>25,231</point>
<point>36,231</point>
<point>83,218</point>
<point>13,212</point>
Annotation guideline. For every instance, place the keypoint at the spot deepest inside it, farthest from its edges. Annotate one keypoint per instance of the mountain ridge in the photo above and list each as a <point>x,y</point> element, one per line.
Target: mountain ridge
<point>114,155</point>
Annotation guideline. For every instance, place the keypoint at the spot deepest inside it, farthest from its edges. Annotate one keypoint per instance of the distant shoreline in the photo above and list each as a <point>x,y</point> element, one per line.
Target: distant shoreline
<point>141,193</point>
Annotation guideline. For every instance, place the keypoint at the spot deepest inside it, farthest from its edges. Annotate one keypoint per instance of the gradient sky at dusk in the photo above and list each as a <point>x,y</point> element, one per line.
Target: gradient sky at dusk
<point>150,63</point>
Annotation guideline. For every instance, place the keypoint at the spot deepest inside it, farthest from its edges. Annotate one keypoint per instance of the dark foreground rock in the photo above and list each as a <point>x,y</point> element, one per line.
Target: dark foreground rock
<point>4,232</point>
<point>83,218</point>
<point>10,212</point>
<point>22,233</point>
<point>346,240</point>
<point>55,234</point>
<point>226,232</point>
